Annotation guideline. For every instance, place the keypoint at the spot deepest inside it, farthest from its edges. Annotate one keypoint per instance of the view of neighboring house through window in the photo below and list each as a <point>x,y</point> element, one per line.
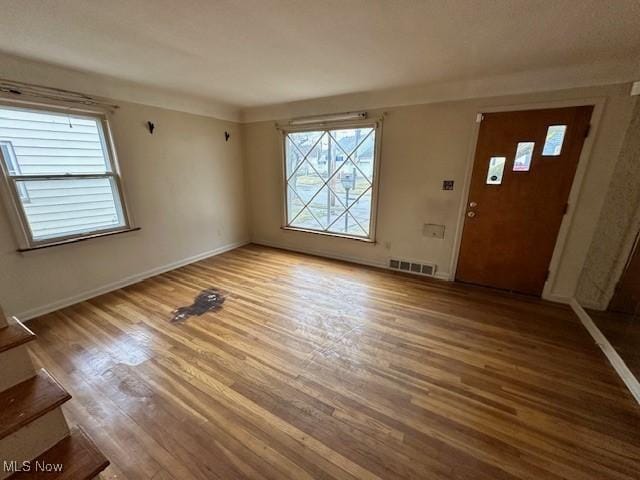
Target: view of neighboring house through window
<point>59,170</point>
<point>330,180</point>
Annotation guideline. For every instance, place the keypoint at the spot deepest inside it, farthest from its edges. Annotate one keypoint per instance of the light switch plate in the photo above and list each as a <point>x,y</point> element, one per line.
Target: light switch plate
<point>432,230</point>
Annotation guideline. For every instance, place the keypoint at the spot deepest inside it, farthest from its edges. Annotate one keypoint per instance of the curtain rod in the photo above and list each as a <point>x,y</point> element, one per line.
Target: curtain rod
<point>16,89</point>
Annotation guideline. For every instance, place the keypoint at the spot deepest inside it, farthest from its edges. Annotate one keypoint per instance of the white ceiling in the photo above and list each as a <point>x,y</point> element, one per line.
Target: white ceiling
<point>249,53</point>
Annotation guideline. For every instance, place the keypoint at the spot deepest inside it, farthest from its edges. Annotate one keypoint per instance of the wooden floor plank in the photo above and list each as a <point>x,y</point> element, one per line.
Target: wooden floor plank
<point>315,368</point>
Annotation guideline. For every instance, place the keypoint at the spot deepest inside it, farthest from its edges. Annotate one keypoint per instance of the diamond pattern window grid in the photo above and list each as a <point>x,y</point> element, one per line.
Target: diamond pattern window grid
<point>308,209</point>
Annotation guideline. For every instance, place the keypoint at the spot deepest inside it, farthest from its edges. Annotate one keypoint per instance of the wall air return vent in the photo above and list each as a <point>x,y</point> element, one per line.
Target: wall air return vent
<point>428,270</point>
<point>412,267</point>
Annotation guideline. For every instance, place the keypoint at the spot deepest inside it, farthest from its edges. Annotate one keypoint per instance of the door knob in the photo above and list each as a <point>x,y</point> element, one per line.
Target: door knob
<point>471,214</point>
<point>473,204</point>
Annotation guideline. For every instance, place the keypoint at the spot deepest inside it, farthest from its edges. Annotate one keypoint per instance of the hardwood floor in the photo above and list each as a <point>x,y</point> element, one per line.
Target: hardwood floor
<point>314,368</point>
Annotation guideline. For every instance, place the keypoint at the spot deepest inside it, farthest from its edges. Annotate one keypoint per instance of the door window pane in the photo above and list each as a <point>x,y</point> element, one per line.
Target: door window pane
<point>524,152</point>
<point>496,170</point>
<point>555,138</point>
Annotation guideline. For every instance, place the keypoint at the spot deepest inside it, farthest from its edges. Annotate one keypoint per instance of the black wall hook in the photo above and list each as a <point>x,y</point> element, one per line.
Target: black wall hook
<point>151,127</point>
<point>226,136</point>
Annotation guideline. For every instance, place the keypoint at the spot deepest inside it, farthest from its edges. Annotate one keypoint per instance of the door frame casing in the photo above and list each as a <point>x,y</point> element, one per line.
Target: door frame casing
<point>576,186</point>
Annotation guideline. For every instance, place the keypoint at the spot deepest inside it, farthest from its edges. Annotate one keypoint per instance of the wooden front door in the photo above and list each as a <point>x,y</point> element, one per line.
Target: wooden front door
<point>523,170</point>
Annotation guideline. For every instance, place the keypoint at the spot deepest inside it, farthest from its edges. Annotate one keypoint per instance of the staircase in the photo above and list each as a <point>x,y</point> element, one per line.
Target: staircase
<point>35,439</point>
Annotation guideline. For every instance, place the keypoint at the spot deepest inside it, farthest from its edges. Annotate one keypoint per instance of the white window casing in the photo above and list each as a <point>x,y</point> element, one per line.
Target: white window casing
<point>330,176</point>
<point>60,175</point>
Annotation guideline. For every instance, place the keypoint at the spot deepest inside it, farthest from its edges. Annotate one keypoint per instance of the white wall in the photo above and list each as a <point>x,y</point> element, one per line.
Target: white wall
<point>185,189</point>
<point>189,189</point>
<point>41,73</point>
<point>421,146</point>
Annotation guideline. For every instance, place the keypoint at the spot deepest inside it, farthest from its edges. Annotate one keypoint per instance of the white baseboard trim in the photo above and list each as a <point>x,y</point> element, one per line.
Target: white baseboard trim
<point>557,298</point>
<point>86,295</point>
<point>616,361</point>
<point>345,258</point>
<point>443,276</point>
<point>593,306</point>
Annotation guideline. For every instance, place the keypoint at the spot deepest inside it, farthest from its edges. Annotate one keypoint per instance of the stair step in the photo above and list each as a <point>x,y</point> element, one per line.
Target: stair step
<point>76,456</point>
<point>31,441</point>
<point>14,335</point>
<point>29,400</point>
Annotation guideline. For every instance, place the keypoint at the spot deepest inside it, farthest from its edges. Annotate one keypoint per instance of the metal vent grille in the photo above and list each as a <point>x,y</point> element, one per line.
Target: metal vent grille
<point>428,270</point>
<point>412,267</point>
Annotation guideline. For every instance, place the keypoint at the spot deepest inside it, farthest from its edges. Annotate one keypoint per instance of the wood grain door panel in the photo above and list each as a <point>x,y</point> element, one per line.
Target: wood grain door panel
<point>509,241</point>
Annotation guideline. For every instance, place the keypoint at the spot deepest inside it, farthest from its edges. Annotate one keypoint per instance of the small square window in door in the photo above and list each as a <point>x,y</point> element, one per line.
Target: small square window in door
<point>553,142</point>
<point>496,170</point>
<point>524,153</point>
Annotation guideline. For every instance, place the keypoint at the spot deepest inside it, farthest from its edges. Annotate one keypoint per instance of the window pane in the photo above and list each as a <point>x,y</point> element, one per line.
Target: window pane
<point>496,170</point>
<point>330,180</point>
<point>555,138</point>
<point>58,208</point>
<point>47,143</point>
<point>356,145</point>
<point>524,152</point>
<point>294,204</point>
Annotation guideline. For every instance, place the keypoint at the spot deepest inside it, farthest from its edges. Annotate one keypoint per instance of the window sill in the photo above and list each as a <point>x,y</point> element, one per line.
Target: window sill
<point>77,240</point>
<point>329,234</point>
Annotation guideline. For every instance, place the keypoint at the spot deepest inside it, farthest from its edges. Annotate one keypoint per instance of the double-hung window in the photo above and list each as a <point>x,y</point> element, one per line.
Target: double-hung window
<point>331,180</point>
<point>61,179</point>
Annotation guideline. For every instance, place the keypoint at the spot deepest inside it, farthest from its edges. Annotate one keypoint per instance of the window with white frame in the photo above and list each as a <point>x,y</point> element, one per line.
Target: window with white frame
<point>60,175</point>
<point>330,177</point>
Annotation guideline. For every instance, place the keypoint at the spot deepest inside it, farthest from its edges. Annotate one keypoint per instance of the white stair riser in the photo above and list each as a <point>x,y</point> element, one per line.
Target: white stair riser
<point>33,439</point>
<point>15,367</point>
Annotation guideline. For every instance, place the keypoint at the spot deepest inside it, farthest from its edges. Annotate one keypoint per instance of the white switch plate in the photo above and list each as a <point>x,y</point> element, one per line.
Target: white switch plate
<point>432,230</point>
<point>635,88</point>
